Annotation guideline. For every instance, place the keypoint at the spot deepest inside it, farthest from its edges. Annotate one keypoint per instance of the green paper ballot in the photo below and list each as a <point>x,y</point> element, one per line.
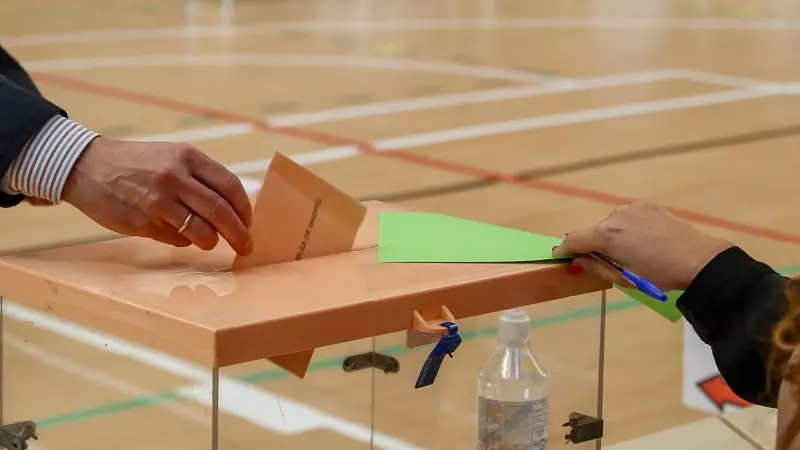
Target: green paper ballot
<point>413,237</point>
<point>666,309</point>
<point>433,238</point>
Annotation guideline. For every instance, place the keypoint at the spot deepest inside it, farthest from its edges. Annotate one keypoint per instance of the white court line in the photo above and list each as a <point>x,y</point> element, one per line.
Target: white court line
<point>286,60</point>
<point>250,403</point>
<point>439,101</point>
<point>419,104</point>
<point>569,118</point>
<point>518,125</point>
<point>198,134</point>
<point>305,159</point>
<point>725,80</point>
<point>469,98</point>
<point>260,59</point>
<point>99,378</point>
<point>736,81</point>
<point>419,24</point>
<point>253,185</point>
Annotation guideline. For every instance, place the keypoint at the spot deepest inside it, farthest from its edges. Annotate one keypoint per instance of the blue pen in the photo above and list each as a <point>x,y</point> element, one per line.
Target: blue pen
<point>642,284</point>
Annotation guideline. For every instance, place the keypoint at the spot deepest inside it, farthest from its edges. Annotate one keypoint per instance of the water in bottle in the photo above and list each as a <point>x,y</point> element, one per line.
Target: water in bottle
<point>513,391</point>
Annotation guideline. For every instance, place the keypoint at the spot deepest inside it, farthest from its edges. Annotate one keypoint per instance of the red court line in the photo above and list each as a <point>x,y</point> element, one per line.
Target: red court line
<point>408,157</point>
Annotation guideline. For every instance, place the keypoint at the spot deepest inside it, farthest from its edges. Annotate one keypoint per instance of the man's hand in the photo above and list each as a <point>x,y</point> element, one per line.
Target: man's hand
<point>149,189</point>
<point>38,201</point>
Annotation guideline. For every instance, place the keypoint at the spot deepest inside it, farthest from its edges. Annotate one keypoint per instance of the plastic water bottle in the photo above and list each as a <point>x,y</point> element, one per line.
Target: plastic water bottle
<point>513,391</point>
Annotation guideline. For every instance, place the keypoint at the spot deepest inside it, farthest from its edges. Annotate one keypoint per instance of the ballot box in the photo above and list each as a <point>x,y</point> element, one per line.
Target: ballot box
<point>313,341</point>
<point>131,344</point>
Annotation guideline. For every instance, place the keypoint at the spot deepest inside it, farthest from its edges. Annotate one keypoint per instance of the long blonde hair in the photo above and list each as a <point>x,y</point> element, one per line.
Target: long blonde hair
<point>785,339</point>
<point>786,333</point>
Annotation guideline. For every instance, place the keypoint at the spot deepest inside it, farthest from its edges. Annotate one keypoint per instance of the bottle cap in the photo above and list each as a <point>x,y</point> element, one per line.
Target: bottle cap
<point>515,325</point>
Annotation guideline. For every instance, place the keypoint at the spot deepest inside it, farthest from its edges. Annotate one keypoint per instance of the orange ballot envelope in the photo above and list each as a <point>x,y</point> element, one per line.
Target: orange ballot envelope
<point>298,215</point>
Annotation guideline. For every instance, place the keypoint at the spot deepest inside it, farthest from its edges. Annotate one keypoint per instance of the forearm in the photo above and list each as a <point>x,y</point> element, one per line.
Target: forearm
<point>733,305</point>
<point>41,169</point>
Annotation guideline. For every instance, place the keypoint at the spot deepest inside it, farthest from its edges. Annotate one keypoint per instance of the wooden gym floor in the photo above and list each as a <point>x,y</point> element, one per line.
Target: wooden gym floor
<point>534,115</point>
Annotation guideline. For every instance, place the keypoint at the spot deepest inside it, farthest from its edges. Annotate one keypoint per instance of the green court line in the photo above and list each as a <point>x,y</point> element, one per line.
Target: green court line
<point>331,363</point>
<point>468,335</point>
<point>108,409</point>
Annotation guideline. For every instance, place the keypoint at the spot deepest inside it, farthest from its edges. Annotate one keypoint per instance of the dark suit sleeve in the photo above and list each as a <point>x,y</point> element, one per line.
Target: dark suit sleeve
<point>22,113</point>
<point>733,305</point>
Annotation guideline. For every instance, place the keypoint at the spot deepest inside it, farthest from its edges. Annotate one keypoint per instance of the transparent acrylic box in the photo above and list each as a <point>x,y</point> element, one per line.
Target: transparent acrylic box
<point>128,344</point>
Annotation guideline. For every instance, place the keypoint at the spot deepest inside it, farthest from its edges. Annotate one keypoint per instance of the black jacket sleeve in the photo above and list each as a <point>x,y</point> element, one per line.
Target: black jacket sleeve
<point>733,305</point>
<point>23,112</point>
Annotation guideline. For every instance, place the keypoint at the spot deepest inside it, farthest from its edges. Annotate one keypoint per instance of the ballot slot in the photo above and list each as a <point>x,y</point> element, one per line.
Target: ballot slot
<point>315,219</point>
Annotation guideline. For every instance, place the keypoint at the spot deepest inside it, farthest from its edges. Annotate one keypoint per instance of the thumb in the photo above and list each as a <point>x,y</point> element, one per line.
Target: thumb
<point>597,268</point>
<point>578,243</point>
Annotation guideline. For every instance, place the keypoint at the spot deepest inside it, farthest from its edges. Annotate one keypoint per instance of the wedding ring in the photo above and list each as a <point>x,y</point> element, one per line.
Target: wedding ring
<point>185,222</point>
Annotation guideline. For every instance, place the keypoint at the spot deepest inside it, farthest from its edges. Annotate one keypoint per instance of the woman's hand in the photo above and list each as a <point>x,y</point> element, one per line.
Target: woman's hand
<point>649,241</point>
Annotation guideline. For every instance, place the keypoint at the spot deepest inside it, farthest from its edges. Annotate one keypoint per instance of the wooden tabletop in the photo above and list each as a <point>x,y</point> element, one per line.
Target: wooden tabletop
<point>188,302</point>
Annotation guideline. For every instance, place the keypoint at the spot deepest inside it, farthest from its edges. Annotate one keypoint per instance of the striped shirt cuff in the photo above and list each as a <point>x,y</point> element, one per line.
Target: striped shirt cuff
<point>42,168</point>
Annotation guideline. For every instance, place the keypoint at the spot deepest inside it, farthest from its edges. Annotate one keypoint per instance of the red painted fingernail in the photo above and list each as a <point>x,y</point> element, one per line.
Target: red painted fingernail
<point>574,269</point>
